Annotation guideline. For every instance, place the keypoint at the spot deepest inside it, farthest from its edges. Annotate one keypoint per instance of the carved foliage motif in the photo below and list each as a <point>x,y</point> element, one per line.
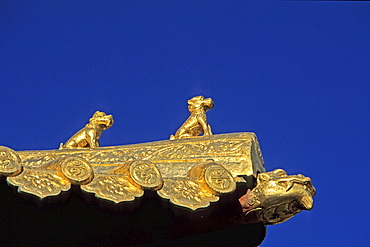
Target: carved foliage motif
<point>122,173</point>
<point>177,150</point>
<point>42,183</point>
<point>126,182</point>
<point>204,183</point>
<point>214,148</point>
<point>187,193</point>
<point>54,177</point>
<point>114,188</point>
<point>189,171</point>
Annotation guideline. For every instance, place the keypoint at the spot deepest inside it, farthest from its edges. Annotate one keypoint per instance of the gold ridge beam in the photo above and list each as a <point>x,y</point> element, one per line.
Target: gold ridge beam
<point>121,173</point>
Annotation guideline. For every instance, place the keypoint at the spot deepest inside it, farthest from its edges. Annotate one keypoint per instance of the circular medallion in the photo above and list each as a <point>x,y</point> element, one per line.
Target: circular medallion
<point>10,163</point>
<point>146,174</point>
<point>219,179</point>
<point>76,169</point>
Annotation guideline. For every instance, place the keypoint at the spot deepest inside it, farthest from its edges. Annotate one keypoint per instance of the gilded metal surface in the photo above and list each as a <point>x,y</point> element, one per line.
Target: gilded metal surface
<point>203,184</point>
<point>76,169</point>
<point>145,174</point>
<point>190,172</point>
<point>239,153</point>
<point>278,196</point>
<point>9,162</point>
<point>40,182</point>
<point>197,123</point>
<point>187,193</point>
<point>115,188</point>
<point>88,137</point>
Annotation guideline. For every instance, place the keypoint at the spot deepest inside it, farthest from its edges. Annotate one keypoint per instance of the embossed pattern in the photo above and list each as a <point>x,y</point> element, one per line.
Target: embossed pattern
<point>277,196</point>
<point>187,193</point>
<point>162,166</point>
<point>146,174</point>
<point>9,161</point>
<point>76,169</point>
<point>233,151</point>
<point>41,183</point>
<point>114,188</point>
<point>219,179</point>
<point>189,170</point>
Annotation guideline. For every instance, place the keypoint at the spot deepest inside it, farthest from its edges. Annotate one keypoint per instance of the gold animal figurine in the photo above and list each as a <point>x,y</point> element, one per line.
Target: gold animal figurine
<point>197,123</point>
<point>88,137</point>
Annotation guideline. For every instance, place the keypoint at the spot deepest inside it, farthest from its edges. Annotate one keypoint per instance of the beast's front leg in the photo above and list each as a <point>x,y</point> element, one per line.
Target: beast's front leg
<point>209,130</point>
<point>92,140</point>
<point>206,128</point>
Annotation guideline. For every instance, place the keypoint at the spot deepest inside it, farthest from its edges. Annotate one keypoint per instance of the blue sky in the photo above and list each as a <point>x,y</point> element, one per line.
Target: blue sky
<point>295,73</point>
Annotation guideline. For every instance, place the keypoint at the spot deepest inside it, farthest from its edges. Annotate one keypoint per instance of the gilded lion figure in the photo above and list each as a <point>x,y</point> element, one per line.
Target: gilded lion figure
<point>197,122</point>
<point>88,137</point>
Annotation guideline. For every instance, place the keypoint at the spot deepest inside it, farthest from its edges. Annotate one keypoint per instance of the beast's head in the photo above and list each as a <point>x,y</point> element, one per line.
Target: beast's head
<point>200,103</point>
<point>278,196</point>
<point>103,120</point>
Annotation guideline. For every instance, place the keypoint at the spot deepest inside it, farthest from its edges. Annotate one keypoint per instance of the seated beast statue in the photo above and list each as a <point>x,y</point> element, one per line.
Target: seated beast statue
<point>197,123</point>
<point>88,137</point>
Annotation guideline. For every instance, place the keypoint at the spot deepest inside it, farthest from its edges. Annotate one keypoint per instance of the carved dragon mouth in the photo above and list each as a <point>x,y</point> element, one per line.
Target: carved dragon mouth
<point>300,188</point>
<point>277,196</point>
<point>208,104</point>
<point>307,202</point>
<point>107,122</point>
